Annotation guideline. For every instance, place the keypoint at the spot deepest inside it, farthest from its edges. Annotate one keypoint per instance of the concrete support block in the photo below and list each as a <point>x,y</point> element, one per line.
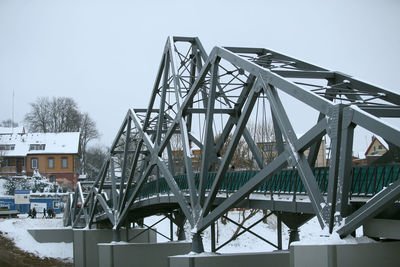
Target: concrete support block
<point>86,240</point>
<point>52,235</point>
<point>310,256</point>
<point>278,258</point>
<point>127,254</point>
<point>382,228</point>
<point>343,255</point>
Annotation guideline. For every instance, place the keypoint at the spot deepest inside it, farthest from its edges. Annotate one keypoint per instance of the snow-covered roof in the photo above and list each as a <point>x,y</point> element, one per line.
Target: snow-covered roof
<point>9,130</point>
<point>39,143</point>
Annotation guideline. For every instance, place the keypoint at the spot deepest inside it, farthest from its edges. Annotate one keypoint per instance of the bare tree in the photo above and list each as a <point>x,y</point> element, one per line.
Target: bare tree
<point>245,217</point>
<point>88,133</point>
<point>176,142</point>
<point>95,157</point>
<point>241,159</point>
<point>38,119</point>
<point>262,133</point>
<point>56,115</point>
<point>264,137</point>
<point>65,116</point>
<point>61,114</point>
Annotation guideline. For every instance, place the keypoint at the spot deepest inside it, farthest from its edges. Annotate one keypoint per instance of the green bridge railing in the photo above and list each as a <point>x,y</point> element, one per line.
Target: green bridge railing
<point>366,181</point>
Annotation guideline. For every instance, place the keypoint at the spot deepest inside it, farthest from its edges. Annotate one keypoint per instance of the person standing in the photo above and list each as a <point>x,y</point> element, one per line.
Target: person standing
<point>50,213</point>
<point>44,212</point>
<point>33,213</point>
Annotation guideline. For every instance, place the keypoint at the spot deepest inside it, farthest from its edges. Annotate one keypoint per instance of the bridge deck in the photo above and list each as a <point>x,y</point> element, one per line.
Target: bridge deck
<point>284,192</point>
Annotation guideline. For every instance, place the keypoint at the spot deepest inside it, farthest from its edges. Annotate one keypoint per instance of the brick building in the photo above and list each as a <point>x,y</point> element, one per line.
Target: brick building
<point>54,155</point>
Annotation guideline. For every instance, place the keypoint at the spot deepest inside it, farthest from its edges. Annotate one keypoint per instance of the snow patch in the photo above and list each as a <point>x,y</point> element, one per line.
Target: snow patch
<point>17,230</point>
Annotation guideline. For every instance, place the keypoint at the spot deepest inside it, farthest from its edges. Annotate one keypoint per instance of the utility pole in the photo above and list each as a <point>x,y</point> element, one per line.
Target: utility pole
<point>12,120</point>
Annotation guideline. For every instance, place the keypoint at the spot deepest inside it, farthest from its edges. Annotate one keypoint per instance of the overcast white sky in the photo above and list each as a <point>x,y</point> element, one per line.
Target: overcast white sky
<point>105,54</point>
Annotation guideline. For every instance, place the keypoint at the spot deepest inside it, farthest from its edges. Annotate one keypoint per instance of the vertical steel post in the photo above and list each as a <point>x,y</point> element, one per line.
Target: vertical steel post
<point>345,165</point>
<point>124,163</point>
<point>213,237</point>
<point>334,131</point>
<point>293,235</point>
<point>197,243</point>
<point>279,230</point>
<point>171,228</point>
<point>116,235</point>
<point>209,136</point>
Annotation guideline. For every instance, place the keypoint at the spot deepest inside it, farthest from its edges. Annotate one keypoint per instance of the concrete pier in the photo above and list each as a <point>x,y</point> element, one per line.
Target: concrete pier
<point>86,240</point>
<point>343,255</point>
<point>278,258</point>
<point>138,247</point>
<point>52,235</point>
<point>382,228</point>
<point>127,254</point>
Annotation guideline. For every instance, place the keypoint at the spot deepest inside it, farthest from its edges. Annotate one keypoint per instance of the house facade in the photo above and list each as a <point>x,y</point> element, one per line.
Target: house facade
<point>53,155</point>
<point>373,154</point>
<point>375,150</point>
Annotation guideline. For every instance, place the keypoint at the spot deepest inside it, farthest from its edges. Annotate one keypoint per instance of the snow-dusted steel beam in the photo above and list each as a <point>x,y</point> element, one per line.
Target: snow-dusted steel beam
<point>374,206</point>
<point>209,134</point>
<point>297,158</point>
<point>184,133</point>
<point>232,146</point>
<point>124,164</point>
<point>155,159</point>
<point>264,174</point>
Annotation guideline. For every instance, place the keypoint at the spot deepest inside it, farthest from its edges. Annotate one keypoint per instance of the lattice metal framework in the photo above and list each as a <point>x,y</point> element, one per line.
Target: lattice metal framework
<point>193,92</point>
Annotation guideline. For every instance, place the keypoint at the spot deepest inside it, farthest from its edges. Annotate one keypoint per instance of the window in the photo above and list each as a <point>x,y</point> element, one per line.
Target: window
<point>4,163</point>
<point>64,162</point>
<point>50,163</point>
<point>56,204</point>
<point>37,146</point>
<point>34,163</point>
<point>7,147</point>
<point>380,147</point>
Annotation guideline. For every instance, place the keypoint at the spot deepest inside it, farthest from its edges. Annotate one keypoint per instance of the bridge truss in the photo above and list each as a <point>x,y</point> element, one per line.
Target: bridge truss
<point>207,102</point>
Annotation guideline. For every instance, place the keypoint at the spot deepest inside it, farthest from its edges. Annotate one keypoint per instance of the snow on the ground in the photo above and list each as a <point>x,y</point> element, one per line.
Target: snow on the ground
<point>17,230</point>
<point>244,243</point>
<point>310,233</point>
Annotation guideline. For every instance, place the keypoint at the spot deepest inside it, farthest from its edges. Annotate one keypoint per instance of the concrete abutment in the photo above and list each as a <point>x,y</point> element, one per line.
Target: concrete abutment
<point>86,241</point>
<point>135,254</point>
<point>343,255</point>
<point>138,247</point>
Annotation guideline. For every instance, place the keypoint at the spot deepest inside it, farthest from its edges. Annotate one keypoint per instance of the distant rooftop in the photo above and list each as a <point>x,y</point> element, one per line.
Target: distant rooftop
<point>39,143</point>
<point>9,130</point>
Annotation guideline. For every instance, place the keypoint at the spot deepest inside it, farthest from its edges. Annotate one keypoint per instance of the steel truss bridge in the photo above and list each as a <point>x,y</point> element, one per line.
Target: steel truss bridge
<point>208,102</point>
